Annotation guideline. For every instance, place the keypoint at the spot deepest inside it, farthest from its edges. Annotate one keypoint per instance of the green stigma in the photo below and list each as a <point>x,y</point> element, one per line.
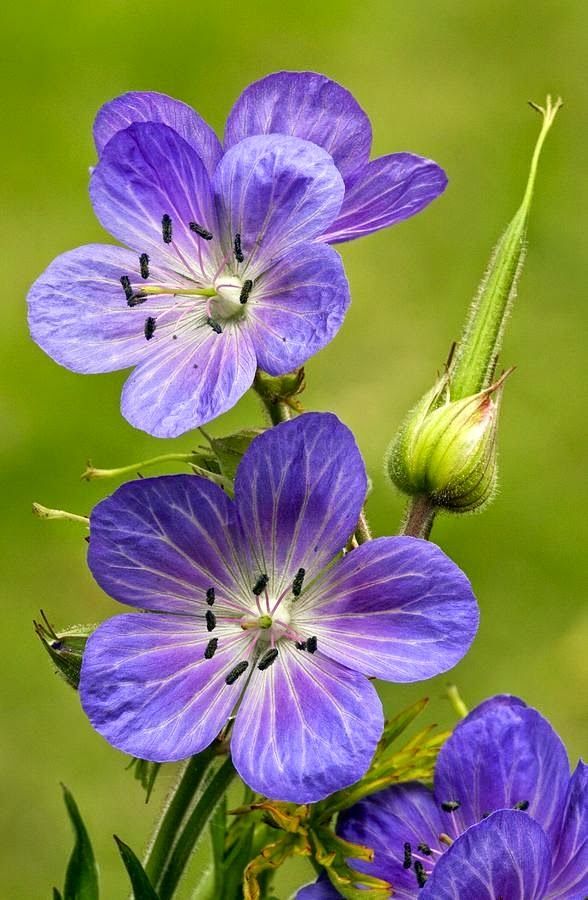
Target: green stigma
<point>265,621</point>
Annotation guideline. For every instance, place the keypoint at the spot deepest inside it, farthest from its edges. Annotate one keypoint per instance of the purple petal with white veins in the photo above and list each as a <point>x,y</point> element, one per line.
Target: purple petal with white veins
<point>78,312</point>
<point>299,490</point>
<point>395,608</point>
<point>148,171</point>
<point>386,191</point>
<point>297,307</point>
<point>500,755</point>
<point>277,193</point>
<point>147,687</point>
<point>149,106</point>
<point>189,381</point>
<point>322,889</point>
<point>161,543</point>
<point>305,105</point>
<point>306,727</point>
<point>505,857</point>
<point>569,877</point>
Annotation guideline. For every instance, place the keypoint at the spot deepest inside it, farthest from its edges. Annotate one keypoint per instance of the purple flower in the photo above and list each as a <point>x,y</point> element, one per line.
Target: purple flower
<point>246,617</point>
<point>229,266</point>
<point>505,819</point>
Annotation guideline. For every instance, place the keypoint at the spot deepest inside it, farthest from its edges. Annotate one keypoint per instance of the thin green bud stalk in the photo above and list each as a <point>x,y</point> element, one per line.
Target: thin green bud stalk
<point>43,512</point>
<point>457,703</point>
<point>92,474</point>
<point>475,358</point>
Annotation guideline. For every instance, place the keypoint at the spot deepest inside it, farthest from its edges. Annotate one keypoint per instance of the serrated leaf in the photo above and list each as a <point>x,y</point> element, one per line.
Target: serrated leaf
<point>81,877</point>
<point>142,887</point>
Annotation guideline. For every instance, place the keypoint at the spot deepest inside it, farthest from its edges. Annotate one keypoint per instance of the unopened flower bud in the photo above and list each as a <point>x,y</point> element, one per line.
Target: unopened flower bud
<point>65,647</point>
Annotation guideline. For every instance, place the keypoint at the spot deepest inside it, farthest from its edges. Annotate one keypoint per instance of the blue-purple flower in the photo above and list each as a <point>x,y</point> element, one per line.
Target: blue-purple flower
<point>228,267</point>
<point>251,611</point>
<point>505,819</point>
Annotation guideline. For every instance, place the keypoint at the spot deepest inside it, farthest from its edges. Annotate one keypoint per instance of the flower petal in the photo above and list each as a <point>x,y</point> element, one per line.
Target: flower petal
<point>148,171</point>
<point>150,106</point>
<point>187,382</point>
<point>503,753</point>
<point>160,543</point>
<point>148,689</point>
<point>386,191</point>
<point>569,878</point>
<point>505,857</point>
<point>299,490</point>
<point>297,307</point>
<point>277,193</point>
<point>78,312</point>
<point>394,608</point>
<point>306,727</point>
<point>322,889</point>
<point>306,105</point>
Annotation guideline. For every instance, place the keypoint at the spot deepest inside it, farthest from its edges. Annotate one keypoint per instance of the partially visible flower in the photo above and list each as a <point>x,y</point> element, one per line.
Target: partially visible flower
<point>505,819</point>
<point>228,267</point>
<point>251,611</point>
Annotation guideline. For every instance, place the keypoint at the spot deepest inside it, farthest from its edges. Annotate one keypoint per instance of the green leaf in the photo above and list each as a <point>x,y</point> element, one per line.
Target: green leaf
<point>229,450</point>
<point>394,727</point>
<point>56,894</point>
<point>145,773</point>
<point>81,878</point>
<point>142,887</point>
<point>217,828</point>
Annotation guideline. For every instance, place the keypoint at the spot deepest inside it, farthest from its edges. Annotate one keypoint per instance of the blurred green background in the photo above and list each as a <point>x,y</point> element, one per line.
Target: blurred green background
<point>448,80</point>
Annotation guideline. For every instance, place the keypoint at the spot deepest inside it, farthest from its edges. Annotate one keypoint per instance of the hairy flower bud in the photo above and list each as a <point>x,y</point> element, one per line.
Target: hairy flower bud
<point>65,647</point>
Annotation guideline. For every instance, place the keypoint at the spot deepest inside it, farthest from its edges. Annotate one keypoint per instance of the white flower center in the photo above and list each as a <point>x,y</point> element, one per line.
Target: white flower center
<point>227,301</point>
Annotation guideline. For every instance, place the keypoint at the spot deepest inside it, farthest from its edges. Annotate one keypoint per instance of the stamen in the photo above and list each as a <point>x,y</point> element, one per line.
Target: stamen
<point>298,581</point>
<point>450,805</point>
<point>419,871</point>
<point>144,263</point>
<point>237,248</point>
<point>445,839</point>
<point>407,856</point>
<point>210,620</point>
<point>214,325</point>
<point>137,298</point>
<point>211,648</point>
<point>300,645</point>
<point>166,229</point>
<point>485,815</point>
<point>210,596</point>
<point>200,231</point>
<point>260,585</point>
<point>126,285</point>
<point>311,644</point>
<point>523,805</point>
<point>245,291</point>
<point>236,672</point>
<point>424,848</point>
<point>149,327</point>
<point>267,659</point>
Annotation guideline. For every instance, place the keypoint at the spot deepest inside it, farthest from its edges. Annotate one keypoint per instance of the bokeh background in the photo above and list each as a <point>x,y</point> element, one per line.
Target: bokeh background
<point>448,80</point>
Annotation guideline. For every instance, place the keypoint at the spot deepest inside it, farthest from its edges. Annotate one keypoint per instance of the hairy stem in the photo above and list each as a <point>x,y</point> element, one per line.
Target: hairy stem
<point>91,474</point>
<point>419,517</point>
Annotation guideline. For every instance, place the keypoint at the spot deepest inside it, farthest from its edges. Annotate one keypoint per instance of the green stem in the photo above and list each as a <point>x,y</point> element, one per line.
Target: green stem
<point>457,703</point>
<point>91,474</point>
<point>43,512</point>
<point>362,531</point>
<point>419,517</point>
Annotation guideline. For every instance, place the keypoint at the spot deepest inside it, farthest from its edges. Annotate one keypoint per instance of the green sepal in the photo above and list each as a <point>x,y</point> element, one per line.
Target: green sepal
<point>65,648</point>
<point>229,450</point>
<point>81,877</point>
<point>142,887</point>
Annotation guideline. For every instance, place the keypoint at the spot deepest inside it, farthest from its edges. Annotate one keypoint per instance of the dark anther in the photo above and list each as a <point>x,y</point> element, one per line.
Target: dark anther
<point>166,229</point>
<point>144,263</point>
<point>210,620</point>
<point>419,871</point>
<point>137,298</point>
<point>300,645</point>
<point>425,849</point>
<point>210,596</point>
<point>238,249</point>
<point>245,291</point>
<point>126,284</point>
<point>234,673</point>
<point>211,648</point>
<point>298,580</point>
<point>267,659</point>
<point>214,325</point>
<point>450,805</point>
<point>56,645</point>
<point>523,805</point>
<point>311,644</point>
<point>407,856</point>
<point>485,816</point>
<point>200,231</point>
<point>149,327</point>
<point>260,585</point>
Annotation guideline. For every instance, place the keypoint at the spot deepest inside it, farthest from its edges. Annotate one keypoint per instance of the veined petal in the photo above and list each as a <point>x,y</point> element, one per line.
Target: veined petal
<point>502,754</point>
<point>395,608</point>
<point>299,490</point>
<point>147,687</point>
<point>147,172</point>
<point>297,307</point>
<point>150,106</point>
<point>306,105</point>
<point>322,889</point>
<point>277,193</point>
<point>505,857</point>
<point>384,192</point>
<point>161,543</point>
<point>78,312</point>
<point>306,727</point>
<point>189,381</point>
<point>569,877</point>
